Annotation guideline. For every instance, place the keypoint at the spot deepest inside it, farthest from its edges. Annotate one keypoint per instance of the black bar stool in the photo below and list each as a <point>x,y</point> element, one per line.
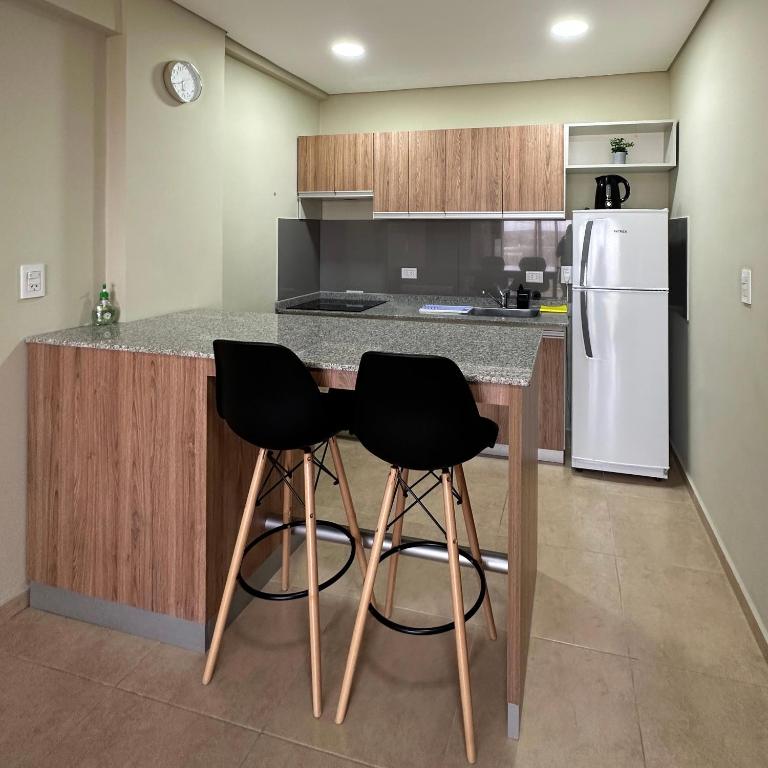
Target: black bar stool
<point>269,398</point>
<point>417,411</point>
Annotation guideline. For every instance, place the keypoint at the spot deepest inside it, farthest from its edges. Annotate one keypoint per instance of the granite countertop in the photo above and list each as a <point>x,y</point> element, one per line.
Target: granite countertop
<point>405,306</point>
<point>496,354</point>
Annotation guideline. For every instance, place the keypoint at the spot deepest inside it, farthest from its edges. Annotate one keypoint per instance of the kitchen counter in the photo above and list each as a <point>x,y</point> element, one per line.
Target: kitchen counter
<point>498,354</point>
<point>405,306</point>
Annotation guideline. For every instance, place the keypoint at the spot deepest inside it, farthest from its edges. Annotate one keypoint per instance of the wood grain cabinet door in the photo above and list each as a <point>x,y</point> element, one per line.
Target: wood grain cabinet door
<point>473,159</point>
<point>426,171</point>
<point>533,168</point>
<point>353,163</point>
<point>316,161</point>
<point>390,172</point>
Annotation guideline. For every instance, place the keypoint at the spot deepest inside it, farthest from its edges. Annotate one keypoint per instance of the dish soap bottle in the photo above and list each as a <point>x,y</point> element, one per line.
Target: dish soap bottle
<point>104,312</point>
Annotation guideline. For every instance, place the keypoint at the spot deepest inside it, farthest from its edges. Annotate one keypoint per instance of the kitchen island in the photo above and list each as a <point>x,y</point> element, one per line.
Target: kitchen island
<point>136,486</point>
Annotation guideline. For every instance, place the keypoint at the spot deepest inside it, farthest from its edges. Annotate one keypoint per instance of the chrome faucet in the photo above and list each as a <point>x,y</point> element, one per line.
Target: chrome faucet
<point>502,301</point>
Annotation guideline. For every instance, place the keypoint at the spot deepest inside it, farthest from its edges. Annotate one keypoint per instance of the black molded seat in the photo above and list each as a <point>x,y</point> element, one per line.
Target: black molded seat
<point>268,397</point>
<point>417,411</point>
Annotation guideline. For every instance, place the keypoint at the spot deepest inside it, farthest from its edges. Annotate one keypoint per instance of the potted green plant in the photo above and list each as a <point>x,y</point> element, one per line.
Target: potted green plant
<point>619,149</point>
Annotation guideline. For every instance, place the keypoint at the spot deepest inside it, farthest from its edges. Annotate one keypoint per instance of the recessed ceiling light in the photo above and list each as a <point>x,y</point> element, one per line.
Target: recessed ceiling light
<point>568,29</point>
<point>347,49</point>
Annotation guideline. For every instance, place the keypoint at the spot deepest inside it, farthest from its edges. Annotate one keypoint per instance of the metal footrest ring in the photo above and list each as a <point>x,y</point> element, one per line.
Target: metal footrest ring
<point>304,592</point>
<point>436,630</point>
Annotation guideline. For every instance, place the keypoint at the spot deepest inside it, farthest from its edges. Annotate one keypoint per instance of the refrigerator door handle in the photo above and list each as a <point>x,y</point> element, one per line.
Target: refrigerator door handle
<point>585,252</point>
<point>585,324</point>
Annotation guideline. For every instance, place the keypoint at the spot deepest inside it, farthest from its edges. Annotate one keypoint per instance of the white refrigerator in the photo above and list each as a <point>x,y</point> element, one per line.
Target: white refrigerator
<point>620,379</point>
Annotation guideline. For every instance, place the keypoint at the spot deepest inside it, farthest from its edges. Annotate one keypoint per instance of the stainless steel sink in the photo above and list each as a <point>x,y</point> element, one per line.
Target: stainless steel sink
<point>499,312</point>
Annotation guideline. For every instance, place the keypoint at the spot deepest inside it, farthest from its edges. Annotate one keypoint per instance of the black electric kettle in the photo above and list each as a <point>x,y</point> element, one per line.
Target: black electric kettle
<point>607,194</point>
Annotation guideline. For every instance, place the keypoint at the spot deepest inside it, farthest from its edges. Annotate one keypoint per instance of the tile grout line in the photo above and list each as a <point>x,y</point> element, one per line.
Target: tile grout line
<point>312,748</point>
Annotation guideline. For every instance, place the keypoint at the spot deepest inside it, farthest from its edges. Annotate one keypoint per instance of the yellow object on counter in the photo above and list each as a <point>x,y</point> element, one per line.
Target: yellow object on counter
<point>561,308</point>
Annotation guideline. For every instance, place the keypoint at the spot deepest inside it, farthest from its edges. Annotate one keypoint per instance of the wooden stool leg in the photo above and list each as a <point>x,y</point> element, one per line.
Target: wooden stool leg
<point>349,507</point>
<point>397,536</point>
<point>286,536</point>
<point>458,618</point>
<point>234,566</point>
<point>474,545</point>
<point>365,597</point>
<point>314,596</point>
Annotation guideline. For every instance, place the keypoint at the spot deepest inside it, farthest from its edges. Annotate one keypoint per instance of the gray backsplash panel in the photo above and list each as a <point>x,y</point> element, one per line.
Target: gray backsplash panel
<point>298,257</point>
<point>353,256</point>
<point>452,257</point>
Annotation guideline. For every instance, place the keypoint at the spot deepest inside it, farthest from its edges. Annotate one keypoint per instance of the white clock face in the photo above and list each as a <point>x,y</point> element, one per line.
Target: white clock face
<point>183,81</point>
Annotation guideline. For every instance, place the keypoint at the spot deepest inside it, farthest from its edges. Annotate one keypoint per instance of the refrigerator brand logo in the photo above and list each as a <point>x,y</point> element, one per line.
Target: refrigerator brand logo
<point>620,231</point>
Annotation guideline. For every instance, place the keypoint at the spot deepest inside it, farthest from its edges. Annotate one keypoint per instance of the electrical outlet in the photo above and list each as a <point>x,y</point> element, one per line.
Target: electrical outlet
<point>565,275</point>
<point>31,281</point>
<point>746,286</point>
<point>409,273</point>
<point>534,277</point>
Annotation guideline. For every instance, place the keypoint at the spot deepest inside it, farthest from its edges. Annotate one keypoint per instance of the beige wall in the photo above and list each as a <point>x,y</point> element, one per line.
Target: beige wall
<point>263,117</point>
<point>720,358</point>
<point>165,164</point>
<point>588,99</point>
<point>51,134</point>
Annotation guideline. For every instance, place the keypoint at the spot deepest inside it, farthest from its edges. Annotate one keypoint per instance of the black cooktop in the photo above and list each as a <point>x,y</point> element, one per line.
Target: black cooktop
<point>339,305</point>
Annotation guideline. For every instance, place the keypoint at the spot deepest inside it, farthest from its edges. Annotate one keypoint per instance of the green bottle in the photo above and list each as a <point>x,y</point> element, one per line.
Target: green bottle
<point>104,311</point>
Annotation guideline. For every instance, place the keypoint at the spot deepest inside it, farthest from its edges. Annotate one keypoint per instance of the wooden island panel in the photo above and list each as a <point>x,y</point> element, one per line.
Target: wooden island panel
<point>122,502</point>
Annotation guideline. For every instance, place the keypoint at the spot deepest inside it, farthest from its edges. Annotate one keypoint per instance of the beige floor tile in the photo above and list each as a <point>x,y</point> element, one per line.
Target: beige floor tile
<point>264,652</point>
<point>402,705</point>
<point>129,730</point>
<point>660,533</point>
<point>688,619</point>
<point>38,707</point>
<point>561,475</point>
<point>271,752</point>
<point>578,600</point>
<point>689,720</point>
<point>73,646</point>
<point>672,489</point>
<point>576,518</point>
<point>578,710</point>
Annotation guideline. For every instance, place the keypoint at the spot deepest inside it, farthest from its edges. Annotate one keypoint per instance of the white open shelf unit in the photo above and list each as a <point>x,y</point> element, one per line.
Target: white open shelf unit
<point>588,148</point>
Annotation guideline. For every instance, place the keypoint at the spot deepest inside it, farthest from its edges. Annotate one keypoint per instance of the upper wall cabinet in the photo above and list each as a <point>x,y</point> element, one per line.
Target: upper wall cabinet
<point>353,166</point>
<point>533,170</point>
<point>390,173</point>
<point>336,165</point>
<point>473,163</point>
<point>426,172</point>
<point>316,164</point>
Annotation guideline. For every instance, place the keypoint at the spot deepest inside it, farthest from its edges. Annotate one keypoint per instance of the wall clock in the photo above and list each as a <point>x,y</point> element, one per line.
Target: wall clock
<point>183,81</point>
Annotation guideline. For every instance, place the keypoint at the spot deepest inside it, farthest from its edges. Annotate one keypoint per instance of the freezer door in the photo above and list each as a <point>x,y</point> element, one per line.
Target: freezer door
<point>620,412</point>
<point>621,249</point>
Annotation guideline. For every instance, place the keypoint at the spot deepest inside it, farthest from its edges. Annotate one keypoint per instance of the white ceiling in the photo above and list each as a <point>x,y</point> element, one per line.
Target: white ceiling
<point>422,43</point>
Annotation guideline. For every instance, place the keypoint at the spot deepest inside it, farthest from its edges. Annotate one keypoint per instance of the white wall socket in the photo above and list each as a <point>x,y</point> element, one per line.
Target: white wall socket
<point>565,275</point>
<point>31,281</point>
<point>746,286</point>
<point>534,277</point>
<point>409,273</point>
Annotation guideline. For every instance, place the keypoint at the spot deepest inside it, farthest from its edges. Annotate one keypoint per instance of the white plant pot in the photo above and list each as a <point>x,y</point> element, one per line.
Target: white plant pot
<point>619,158</point>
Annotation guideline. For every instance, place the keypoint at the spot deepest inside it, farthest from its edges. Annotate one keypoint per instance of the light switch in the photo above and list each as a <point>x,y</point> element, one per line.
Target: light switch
<point>746,286</point>
<point>31,281</point>
<point>409,273</point>
<point>534,277</point>
<point>565,275</point>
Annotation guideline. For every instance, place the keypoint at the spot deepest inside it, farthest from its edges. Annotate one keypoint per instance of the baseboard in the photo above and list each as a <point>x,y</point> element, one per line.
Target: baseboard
<point>739,589</point>
<point>13,606</point>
